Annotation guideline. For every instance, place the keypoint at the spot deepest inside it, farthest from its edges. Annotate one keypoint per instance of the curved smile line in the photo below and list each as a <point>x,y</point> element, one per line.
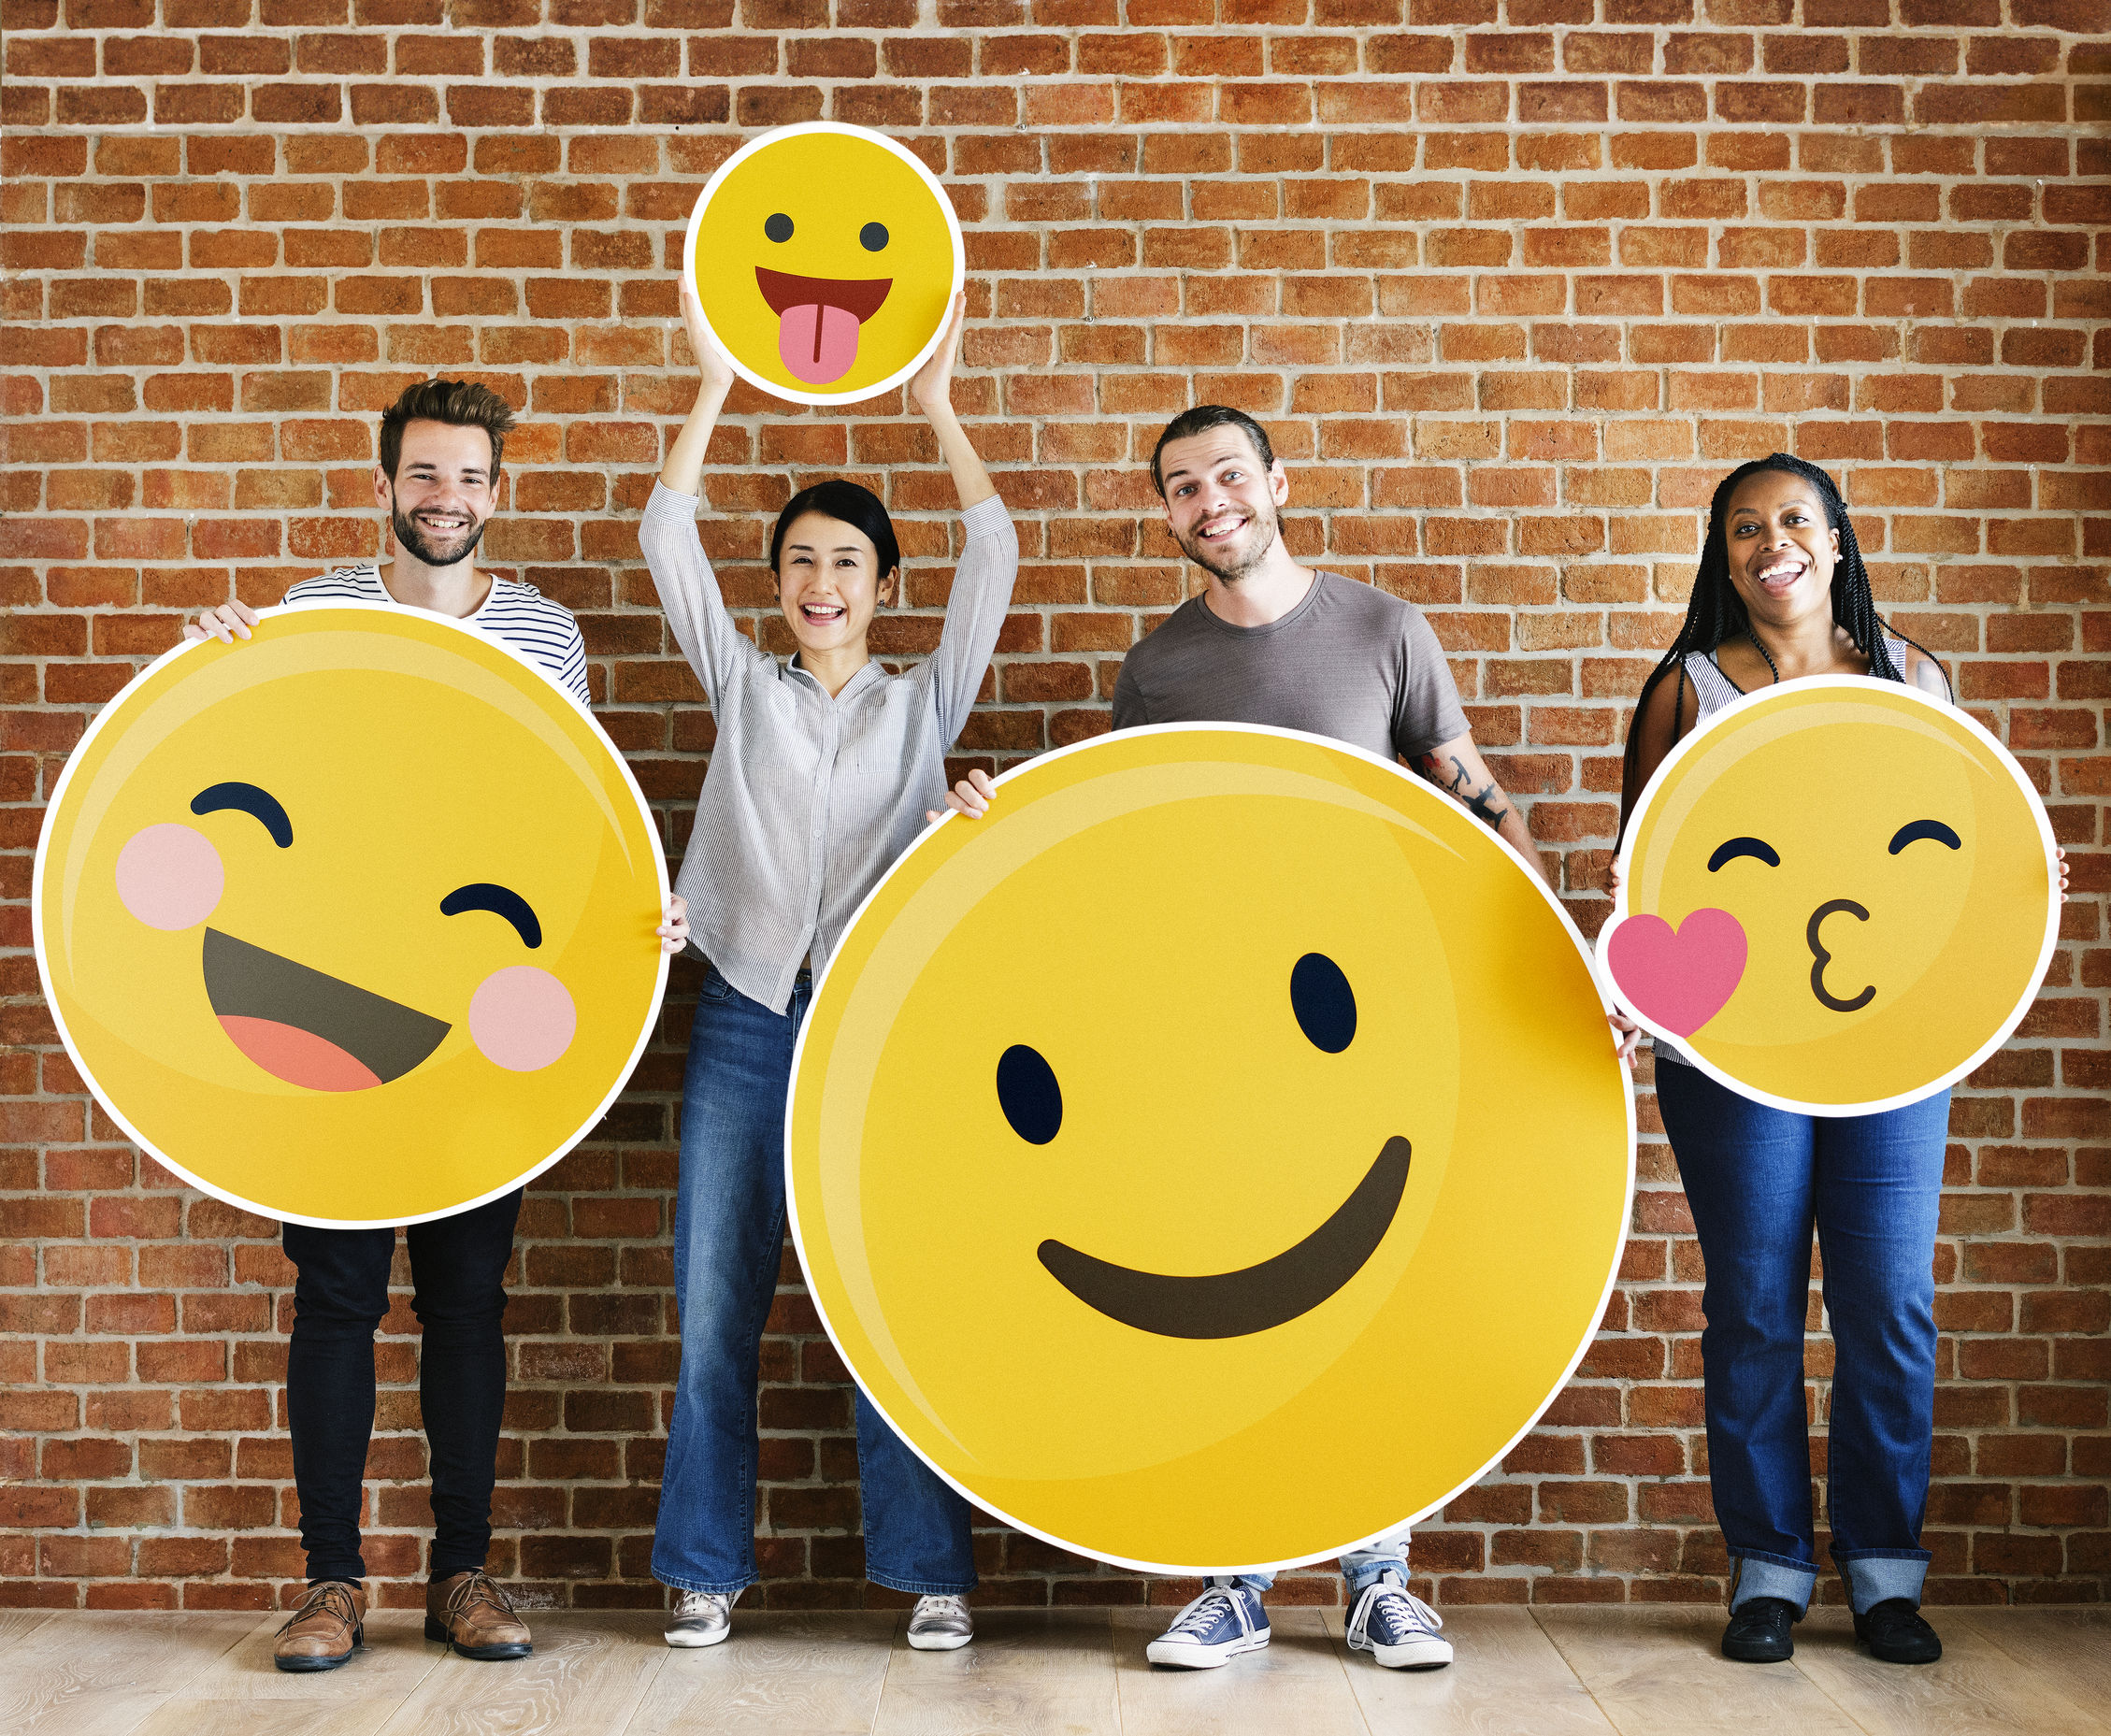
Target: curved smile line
<point>1232,1304</point>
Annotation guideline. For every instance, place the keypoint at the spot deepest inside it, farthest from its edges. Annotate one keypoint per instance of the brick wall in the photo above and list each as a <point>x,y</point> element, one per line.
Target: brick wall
<point>1512,284</point>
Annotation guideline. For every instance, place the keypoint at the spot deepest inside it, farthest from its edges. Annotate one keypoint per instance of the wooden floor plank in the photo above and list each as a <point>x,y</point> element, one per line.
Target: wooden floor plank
<point>1297,1684</point>
<point>94,1673</point>
<point>2070,1650</point>
<point>1975,1689</point>
<point>395,1658</point>
<point>1658,1673</point>
<point>776,1674</point>
<point>1509,1679</point>
<point>1029,1672</point>
<point>19,1624</point>
<point>587,1676</point>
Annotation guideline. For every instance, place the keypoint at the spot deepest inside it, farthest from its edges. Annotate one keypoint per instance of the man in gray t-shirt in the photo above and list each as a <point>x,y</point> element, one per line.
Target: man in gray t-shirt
<point>1270,642</point>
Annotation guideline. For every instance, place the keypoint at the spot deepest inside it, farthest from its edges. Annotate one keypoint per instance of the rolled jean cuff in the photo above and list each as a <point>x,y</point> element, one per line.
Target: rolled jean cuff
<point>924,1587</point>
<point>1245,1582</point>
<point>1773,1576</point>
<point>729,1588</point>
<point>1877,1576</point>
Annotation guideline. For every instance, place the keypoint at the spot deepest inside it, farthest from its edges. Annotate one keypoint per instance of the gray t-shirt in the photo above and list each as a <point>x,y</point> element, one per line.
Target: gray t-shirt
<point>1350,662</point>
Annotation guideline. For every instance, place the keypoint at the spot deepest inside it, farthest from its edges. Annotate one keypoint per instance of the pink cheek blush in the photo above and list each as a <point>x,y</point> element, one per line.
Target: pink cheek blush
<point>522,1018</point>
<point>169,877</point>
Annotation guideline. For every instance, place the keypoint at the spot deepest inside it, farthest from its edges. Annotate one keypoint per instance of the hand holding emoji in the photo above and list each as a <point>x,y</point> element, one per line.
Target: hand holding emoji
<point>970,796</point>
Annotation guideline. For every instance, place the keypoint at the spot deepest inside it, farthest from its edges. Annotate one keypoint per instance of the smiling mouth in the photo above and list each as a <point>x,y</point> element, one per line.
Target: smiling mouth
<point>1232,1304</point>
<point>818,320</point>
<point>309,1029</point>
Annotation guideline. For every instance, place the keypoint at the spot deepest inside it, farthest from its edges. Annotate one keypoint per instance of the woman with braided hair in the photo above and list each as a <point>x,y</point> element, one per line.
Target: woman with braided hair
<point>1782,591</point>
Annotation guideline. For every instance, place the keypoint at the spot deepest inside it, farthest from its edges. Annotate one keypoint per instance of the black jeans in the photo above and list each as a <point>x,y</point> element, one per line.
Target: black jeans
<point>457,1271</point>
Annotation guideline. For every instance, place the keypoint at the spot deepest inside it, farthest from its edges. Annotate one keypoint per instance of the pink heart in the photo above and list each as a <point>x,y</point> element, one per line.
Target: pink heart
<point>1680,978</point>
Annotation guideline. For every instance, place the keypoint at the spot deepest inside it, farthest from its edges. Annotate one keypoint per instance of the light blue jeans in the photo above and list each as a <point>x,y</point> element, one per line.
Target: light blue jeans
<point>728,1242</point>
<point>1361,1568</point>
<point>1758,1179</point>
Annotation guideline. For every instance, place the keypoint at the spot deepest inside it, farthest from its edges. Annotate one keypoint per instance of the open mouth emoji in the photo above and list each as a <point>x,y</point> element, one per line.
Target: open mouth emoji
<point>350,924</point>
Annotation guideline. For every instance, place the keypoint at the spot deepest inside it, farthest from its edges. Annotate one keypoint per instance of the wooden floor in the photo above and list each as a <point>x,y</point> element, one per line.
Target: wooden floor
<point>1639,1672</point>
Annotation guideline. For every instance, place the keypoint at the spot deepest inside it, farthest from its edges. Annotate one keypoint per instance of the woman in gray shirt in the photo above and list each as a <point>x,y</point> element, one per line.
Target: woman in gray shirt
<point>822,772</point>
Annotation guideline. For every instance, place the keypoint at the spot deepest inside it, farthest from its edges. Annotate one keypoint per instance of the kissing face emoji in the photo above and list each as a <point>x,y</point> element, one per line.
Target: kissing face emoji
<point>827,259</point>
<point>1215,1156</point>
<point>352,923</point>
<point>1838,895</point>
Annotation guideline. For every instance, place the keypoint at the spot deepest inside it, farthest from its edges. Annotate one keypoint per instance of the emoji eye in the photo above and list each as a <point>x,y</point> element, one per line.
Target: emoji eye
<point>249,800</point>
<point>1031,1099</point>
<point>777,226</point>
<point>1325,1004</point>
<point>1918,830</point>
<point>500,901</point>
<point>1737,846</point>
<point>873,237</point>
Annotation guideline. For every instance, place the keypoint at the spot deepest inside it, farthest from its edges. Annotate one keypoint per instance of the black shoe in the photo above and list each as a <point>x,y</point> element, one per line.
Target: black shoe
<point>1758,1631</point>
<point>1894,1632</point>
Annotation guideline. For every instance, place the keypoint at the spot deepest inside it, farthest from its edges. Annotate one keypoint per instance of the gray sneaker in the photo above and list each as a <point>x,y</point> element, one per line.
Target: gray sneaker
<point>699,1618</point>
<point>941,1624</point>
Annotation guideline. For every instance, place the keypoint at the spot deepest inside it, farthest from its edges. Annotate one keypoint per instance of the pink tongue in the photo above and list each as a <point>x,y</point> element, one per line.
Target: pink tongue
<point>817,342</point>
<point>297,1056</point>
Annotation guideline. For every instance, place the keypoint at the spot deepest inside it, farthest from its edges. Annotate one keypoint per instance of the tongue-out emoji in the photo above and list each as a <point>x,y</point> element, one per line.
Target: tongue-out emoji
<point>818,320</point>
<point>825,260</point>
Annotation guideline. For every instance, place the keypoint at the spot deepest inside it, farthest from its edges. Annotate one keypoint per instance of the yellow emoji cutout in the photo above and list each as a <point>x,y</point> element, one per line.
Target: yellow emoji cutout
<point>1838,895</point>
<point>827,259</point>
<point>1215,1157</point>
<point>352,923</point>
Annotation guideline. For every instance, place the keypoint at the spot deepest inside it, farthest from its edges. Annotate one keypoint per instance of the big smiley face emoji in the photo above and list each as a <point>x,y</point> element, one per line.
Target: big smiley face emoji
<point>1216,1155</point>
<point>352,923</point>
<point>1838,895</point>
<point>827,259</point>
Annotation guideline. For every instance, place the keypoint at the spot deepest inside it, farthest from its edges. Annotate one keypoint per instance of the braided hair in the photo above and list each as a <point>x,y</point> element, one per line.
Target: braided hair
<point>1715,613</point>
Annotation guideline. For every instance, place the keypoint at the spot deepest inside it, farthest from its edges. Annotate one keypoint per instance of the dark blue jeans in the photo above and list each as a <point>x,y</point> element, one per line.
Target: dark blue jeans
<point>728,1242</point>
<point>341,1293</point>
<point>1757,1179</point>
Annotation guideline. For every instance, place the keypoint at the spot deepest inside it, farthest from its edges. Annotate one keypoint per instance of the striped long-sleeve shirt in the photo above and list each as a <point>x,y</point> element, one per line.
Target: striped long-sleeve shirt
<point>809,800</point>
<point>517,615</point>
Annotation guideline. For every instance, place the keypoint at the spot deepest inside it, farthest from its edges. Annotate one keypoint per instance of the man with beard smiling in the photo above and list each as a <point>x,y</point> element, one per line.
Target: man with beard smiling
<point>1272,642</point>
<point>438,479</point>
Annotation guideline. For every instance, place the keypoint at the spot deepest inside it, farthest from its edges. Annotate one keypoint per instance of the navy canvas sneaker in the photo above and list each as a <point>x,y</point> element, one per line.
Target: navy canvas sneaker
<point>1397,1629</point>
<point>1222,1622</point>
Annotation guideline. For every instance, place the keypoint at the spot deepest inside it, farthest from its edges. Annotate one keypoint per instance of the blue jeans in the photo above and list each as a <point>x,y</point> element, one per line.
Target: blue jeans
<point>1758,1179</point>
<point>728,1242</point>
<point>1361,1568</point>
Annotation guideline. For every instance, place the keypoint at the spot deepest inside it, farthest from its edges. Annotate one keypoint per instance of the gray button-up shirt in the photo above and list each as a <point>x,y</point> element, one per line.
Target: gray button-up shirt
<point>809,800</point>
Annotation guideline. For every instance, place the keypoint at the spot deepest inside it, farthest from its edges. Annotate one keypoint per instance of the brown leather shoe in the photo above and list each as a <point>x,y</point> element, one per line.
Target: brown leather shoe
<point>472,1614</point>
<point>325,1630</point>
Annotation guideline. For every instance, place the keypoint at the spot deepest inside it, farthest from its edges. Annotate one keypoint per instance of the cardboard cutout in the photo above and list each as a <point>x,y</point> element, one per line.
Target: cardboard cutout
<point>827,259</point>
<point>1838,895</point>
<point>1215,1157</point>
<point>352,923</point>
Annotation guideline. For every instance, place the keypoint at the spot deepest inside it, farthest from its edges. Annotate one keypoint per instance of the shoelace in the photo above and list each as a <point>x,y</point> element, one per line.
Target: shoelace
<point>1414,1614</point>
<point>1202,1615</point>
<point>480,1587</point>
<point>941,1606</point>
<point>329,1595</point>
<point>702,1603</point>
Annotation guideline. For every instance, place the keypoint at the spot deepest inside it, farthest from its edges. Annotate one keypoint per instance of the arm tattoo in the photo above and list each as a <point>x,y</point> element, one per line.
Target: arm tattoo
<point>1484,803</point>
